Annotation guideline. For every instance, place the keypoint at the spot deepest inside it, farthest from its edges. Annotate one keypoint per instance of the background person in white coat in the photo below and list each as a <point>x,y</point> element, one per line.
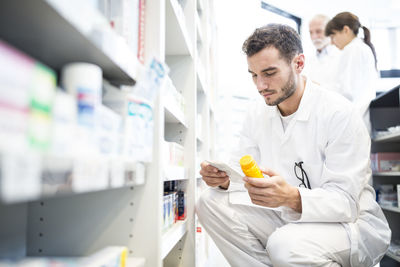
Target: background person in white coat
<point>315,148</point>
<point>321,66</point>
<point>356,74</point>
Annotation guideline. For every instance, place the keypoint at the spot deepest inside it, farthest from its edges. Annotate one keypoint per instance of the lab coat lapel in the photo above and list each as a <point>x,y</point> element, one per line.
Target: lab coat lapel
<point>302,113</point>
<point>275,122</point>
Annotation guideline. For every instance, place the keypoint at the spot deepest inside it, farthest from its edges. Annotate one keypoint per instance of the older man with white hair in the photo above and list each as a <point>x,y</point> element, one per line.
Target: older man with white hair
<point>321,67</point>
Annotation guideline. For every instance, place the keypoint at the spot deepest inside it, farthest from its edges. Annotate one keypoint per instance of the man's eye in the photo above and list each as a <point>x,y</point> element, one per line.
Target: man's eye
<point>268,74</point>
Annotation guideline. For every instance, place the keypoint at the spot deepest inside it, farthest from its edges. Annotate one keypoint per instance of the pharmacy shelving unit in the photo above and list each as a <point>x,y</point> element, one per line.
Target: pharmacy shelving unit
<point>206,33</point>
<point>131,214</point>
<point>385,113</point>
<point>53,219</point>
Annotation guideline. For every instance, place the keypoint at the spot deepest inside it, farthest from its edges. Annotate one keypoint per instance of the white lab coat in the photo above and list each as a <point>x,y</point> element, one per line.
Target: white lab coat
<point>330,138</point>
<point>356,77</point>
<point>321,66</point>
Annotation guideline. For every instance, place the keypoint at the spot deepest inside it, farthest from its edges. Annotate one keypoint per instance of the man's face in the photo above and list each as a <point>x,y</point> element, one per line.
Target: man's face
<point>273,76</point>
<point>317,34</point>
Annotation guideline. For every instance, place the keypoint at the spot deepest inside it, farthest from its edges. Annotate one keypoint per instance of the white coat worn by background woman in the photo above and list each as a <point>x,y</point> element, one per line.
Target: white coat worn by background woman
<point>356,77</point>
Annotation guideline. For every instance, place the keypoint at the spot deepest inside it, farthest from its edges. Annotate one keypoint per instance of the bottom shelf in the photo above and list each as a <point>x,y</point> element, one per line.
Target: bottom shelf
<point>135,262</point>
<point>391,255</point>
<point>390,208</point>
<point>172,236</point>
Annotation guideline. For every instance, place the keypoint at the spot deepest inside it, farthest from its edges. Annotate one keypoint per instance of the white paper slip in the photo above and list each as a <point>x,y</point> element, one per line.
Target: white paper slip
<point>233,174</point>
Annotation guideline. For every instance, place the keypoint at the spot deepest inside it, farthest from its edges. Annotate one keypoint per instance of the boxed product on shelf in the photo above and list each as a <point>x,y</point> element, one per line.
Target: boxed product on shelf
<point>181,205</point>
<point>108,131</point>
<point>26,98</point>
<point>174,99</point>
<point>169,209</point>
<point>171,203</point>
<point>137,117</point>
<point>126,18</point>
<point>141,31</point>
<point>139,129</point>
<point>173,161</point>
<point>63,124</point>
<point>172,207</point>
<point>174,153</point>
<point>387,195</point>
<point>15,76</point>
<point>165,212</point>
<point>135,173</point>
<point>385,161</point>
<point>20,183</point>
<point>90,173</point>
<point>151,80</point>
<point>42,92</point>
<point>113,256</point>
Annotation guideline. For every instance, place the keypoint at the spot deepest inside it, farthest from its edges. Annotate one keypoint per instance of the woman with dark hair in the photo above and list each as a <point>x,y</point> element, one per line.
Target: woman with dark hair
<point>356,75</point>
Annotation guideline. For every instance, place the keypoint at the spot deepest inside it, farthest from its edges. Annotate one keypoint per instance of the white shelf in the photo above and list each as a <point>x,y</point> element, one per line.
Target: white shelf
<point>201,83</point>
<point>393,137</point>
<point>199,143</point>
<point>391,208</point>
<point>199,140</point>
<point>173,114</point>
<point>47,175</point>
<point>390,173</point>
<point>58,35</point>
<point>178,41</point>
<point>172,173</point>
<point>391,255</point>
<point>172,236</point>
<point>135,262</point>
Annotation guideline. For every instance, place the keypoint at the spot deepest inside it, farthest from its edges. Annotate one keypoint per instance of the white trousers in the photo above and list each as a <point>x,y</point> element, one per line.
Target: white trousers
<point>251,236</point>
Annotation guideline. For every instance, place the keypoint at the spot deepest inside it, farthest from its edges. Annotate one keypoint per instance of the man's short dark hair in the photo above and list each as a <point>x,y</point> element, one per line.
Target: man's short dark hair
<point>282,37</point>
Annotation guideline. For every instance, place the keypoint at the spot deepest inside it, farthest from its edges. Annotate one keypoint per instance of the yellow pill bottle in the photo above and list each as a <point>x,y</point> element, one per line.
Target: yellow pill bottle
<point>249,167</point>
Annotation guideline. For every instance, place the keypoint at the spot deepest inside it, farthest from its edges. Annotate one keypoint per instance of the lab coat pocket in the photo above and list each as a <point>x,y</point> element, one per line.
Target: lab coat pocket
<point>313,172</point>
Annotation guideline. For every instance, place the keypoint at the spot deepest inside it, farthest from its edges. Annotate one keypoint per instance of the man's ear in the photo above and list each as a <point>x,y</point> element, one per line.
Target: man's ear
<point>299,62</point>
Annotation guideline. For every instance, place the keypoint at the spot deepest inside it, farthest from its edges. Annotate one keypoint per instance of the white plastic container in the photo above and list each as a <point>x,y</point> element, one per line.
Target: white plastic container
<point>84,81</point>
<point>82,78</point>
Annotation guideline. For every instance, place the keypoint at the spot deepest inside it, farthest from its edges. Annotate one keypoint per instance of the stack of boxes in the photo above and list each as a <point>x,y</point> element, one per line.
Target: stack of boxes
<point>26,99</point>
<point>385,162</point>
<point>174,204</point>
<point>69,123</point>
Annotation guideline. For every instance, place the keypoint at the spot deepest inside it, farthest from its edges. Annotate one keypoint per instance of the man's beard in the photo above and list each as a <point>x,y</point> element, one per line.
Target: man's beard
<point>288,89</point>
<point>321,43</point>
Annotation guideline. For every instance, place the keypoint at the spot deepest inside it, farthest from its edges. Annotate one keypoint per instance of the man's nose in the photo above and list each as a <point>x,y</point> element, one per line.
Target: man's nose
<point>261,83</point>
